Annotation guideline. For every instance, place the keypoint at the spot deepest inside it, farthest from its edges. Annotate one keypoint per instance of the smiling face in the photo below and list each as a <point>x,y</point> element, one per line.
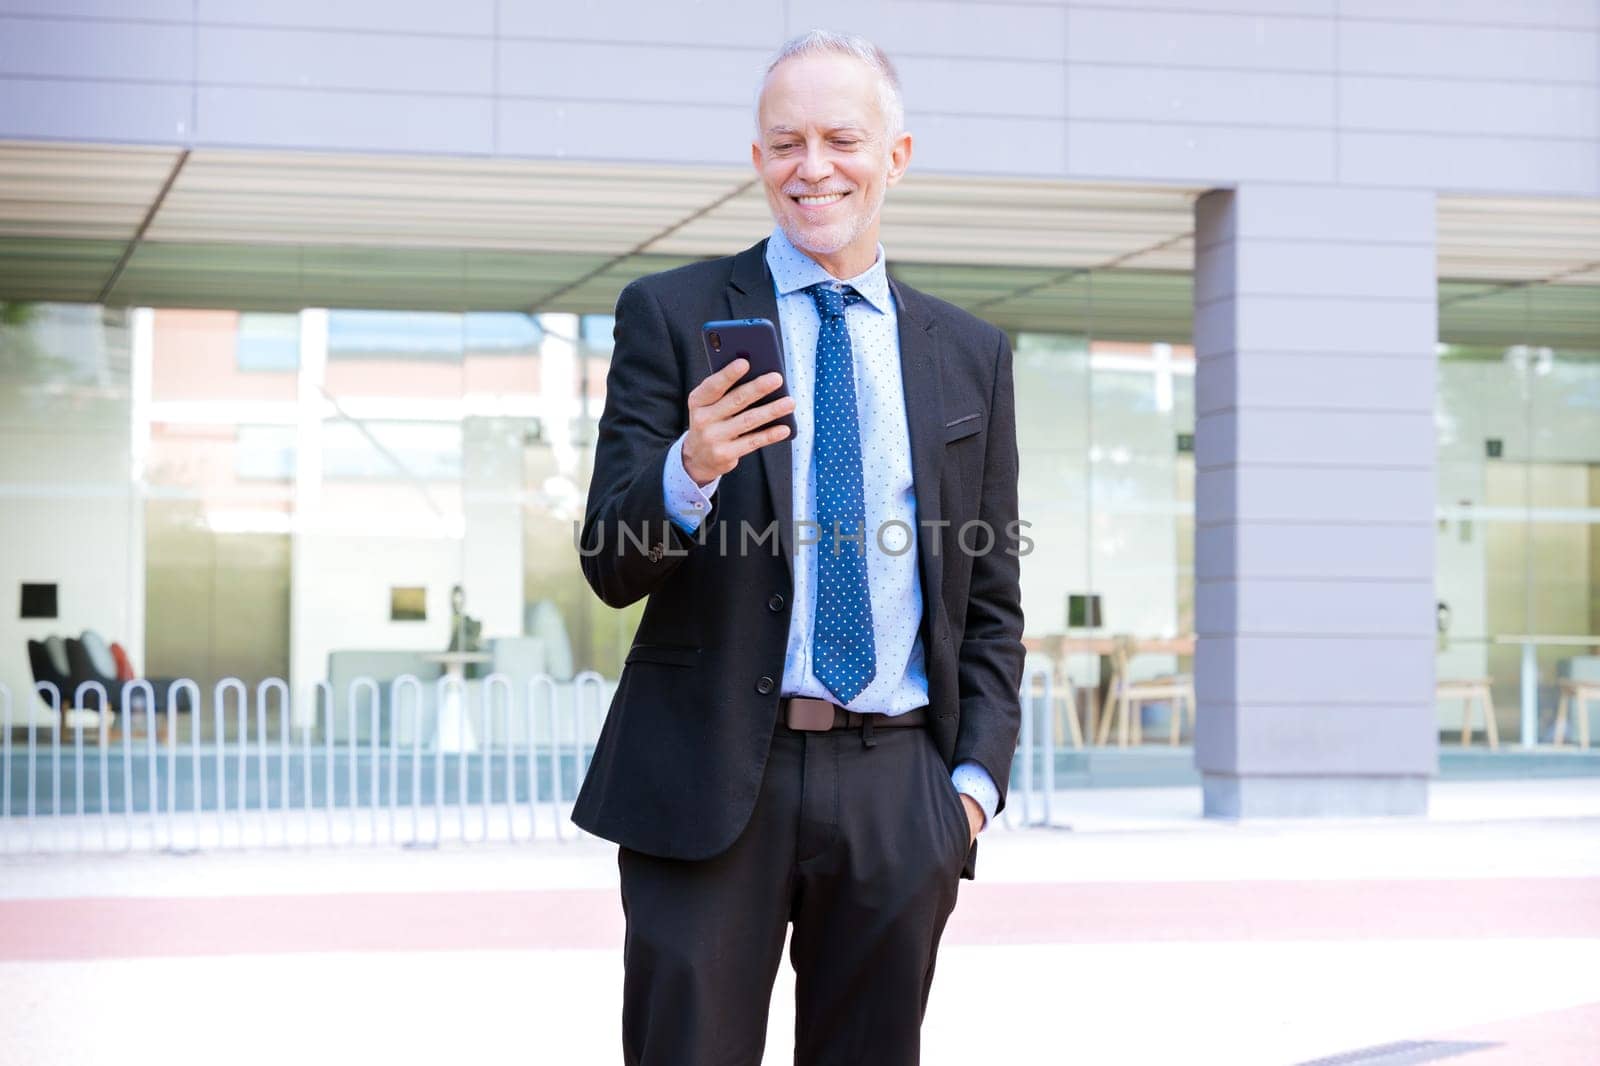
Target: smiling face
<point>825,156</point>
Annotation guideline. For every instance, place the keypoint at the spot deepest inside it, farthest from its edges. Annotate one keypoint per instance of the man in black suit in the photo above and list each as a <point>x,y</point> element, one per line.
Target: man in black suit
<point>819,710</point>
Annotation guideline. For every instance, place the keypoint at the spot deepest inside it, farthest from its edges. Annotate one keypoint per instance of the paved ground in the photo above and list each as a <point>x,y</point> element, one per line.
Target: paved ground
<point>1140,934</point>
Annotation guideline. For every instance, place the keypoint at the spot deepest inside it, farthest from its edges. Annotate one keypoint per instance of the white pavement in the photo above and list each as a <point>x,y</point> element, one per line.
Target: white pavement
<point>1498,986</point>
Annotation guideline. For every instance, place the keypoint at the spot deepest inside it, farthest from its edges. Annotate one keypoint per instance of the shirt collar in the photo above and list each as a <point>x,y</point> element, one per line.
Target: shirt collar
<point>793,270</point>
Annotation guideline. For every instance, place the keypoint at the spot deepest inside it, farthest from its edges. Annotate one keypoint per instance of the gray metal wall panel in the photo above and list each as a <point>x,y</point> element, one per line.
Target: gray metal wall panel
<point>964,144</point>
<point>1339,382</point>
<point>140,51</point>
<point>1240,42</point>
<point>381,16</point>
<point>1336,269</point>
<point>984,87</point>
<point>1314,512</point>
<point>1313,672</point>
<point>1470,164</point>
<point>1306,493</point>
<point>317,59</point>
<point>1310,436</point>
<point>941,28</point>
<point>1344,608</point>
<point>1195,153</point>
<point>1335,739</point>
<point>1157,8</point>
<point>95,111</point>
<point>1577,13</point>
<point>288,118</point>
<point>680,133</point>
<point>1499,108</point>
<point>1485,53</point>
<point>754,23</point>
<point>1207,97</point>
<point>1332,550</point>
<point>1213,96</point>
<point>1287,212</point>
<point>173,10</point>
<point>1287,324</point>
<point>570,70</point>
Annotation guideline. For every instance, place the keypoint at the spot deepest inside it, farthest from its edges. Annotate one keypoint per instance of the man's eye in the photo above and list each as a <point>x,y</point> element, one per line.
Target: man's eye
<point>784,147</point>
<point>843,142</point>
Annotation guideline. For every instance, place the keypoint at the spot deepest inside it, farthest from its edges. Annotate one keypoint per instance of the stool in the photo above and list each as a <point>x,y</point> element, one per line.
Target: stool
<point>1576,694</point>
<point>1469,691</point>
<point>1128,697</point>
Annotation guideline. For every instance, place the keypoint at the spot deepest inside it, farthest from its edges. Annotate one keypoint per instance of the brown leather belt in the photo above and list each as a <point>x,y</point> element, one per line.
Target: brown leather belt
<point>818,716</point>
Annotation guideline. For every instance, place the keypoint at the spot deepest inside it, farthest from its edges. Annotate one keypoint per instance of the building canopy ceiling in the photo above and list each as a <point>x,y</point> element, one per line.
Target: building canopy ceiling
<point>280,231</point>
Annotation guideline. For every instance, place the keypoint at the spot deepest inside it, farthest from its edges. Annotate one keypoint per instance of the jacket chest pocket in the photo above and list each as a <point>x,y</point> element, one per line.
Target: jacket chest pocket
<point>960,429</point>
<point>664,654</point>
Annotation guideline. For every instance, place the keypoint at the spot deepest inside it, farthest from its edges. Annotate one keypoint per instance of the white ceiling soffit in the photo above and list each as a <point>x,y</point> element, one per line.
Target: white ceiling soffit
<point>72,192</point>
<point>244,198</point>
<point>233,197</point>
<point>75,191</point>
<point>1525,239</point>
<point>248,229</point>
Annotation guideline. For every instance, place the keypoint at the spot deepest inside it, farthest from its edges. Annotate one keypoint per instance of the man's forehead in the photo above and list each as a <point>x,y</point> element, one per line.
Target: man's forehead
<point>797,112</point>
<point>820,92</point>
<point>825,125</point>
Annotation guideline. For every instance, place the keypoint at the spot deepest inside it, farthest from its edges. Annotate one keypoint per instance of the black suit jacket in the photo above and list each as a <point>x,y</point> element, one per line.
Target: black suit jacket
<point>680,758</point>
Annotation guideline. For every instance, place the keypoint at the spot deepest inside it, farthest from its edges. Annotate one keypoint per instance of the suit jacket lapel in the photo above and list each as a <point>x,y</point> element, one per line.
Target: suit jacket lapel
<point>750,295</point>
<point>920,375</point>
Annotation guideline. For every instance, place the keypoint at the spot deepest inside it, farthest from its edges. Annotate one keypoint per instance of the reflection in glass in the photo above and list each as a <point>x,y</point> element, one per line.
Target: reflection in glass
<point>1108,486</point>
<point>70,518</point>
<point>1518,530</point>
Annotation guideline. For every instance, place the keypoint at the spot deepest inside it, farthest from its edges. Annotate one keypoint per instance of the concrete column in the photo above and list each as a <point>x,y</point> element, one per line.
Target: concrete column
<point>1315,325</point>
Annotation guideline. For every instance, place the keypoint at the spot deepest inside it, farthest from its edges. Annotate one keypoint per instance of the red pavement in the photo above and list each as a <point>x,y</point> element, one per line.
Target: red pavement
<point>37,930</point>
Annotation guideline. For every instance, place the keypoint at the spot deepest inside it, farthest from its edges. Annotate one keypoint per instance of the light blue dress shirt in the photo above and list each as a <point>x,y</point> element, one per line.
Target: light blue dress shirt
<point>901,683</point>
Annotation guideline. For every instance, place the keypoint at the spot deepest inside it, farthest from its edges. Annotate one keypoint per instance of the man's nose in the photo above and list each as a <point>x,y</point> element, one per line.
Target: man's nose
<point>815,166</point>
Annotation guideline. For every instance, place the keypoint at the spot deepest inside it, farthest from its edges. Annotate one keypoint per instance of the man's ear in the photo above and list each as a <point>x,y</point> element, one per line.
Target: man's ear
<point>899,157</point>
<point>755,156</point>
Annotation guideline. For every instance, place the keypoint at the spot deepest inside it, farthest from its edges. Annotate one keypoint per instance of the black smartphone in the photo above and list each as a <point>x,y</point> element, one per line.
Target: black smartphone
<point>754,340</point>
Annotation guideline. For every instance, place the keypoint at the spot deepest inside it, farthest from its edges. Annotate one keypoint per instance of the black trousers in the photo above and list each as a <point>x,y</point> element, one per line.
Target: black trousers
<point>861,848</point>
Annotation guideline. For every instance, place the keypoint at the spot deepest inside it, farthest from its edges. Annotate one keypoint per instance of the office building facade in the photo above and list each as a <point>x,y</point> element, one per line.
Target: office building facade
<point>306,323</point>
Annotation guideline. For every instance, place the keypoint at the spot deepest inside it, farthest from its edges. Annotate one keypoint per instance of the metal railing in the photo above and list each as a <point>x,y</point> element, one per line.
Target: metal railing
<point>89,785</point>
<point>1035,763</point>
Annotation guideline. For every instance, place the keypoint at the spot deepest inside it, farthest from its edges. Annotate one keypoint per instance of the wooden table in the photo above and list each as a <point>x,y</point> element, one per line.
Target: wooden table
<point>1059,645</point>
<point>1529,679</point>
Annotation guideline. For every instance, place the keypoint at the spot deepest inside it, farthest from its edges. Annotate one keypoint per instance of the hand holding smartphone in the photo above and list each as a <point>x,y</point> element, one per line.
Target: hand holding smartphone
<point>728,418</point>
<point>754,340</point>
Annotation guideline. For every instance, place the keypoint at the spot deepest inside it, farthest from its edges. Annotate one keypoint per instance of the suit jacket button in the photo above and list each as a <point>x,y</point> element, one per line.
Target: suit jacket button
<point>775,603</point>
<point>765,685</point>
<point>655,553</point>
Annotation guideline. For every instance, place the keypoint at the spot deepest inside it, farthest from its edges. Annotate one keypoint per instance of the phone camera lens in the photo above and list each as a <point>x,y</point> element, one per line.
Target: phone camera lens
<point>716,341</point>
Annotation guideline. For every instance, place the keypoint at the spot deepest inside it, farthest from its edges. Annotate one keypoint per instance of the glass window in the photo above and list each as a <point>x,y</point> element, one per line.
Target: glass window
<point>422,335</point>
<point>493,333</point>
<point>264,453</point>
<point>268,342</point>
<point>1107,484</point>
<point>1518,523</point>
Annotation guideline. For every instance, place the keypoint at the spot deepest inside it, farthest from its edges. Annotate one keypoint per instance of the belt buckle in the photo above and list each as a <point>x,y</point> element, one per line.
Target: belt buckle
<point>808,715</point>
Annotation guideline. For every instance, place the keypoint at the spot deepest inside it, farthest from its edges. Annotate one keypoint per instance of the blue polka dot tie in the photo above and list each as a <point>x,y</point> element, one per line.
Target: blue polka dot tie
<point>844,657</point>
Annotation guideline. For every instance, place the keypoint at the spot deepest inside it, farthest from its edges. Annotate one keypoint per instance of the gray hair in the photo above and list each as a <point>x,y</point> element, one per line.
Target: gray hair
<point>823,42</point>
